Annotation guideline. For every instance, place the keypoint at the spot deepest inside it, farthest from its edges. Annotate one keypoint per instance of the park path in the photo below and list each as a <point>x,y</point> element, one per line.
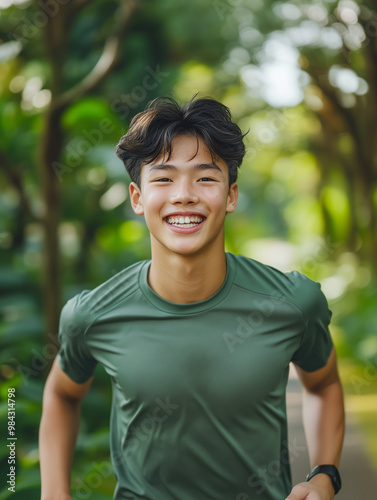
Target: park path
<point>358,476</point>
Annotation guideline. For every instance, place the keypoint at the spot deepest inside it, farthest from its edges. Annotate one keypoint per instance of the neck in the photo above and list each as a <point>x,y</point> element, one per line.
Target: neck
<point>185,280</point>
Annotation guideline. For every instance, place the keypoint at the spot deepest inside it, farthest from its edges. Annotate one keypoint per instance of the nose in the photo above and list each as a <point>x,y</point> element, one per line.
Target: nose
<point>184,192</point>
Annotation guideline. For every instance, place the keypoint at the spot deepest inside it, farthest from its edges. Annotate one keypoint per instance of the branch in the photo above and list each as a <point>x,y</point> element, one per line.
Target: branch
<point>317,77</point>
<point>371,52</point>
<point>349,118</point>
<point>106,62</point>
<point>14,179</point>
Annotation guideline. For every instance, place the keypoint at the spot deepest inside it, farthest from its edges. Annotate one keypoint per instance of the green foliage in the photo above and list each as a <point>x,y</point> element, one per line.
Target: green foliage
<point>303,188</point>
<point>357,322</point>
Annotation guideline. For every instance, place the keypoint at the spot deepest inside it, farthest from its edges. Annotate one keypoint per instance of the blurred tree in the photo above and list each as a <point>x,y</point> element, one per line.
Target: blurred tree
<point>56,53</point>
<point>56,21</point>
<point>300,75</point>
<point>345,80</point>
<point>73,73</point>
<point>329,50</point>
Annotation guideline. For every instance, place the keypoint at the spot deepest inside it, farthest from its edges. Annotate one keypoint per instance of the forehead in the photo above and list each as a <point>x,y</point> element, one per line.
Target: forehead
<point>187,149</point>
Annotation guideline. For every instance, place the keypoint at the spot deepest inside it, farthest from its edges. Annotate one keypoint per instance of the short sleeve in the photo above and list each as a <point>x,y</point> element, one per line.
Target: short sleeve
<point>74,355</point>
<point>316,344</point>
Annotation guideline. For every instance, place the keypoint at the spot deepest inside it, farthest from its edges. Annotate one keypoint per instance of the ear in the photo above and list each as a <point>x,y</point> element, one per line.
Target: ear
<point>232,198</point>
<point>136,199</point>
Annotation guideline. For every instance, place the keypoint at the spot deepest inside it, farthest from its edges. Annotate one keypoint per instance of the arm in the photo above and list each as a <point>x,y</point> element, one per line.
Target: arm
<point>58,432</point>
<point>323,413</point>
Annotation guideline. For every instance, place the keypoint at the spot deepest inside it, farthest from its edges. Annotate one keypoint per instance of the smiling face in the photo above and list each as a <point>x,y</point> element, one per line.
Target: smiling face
<point>184,200</point>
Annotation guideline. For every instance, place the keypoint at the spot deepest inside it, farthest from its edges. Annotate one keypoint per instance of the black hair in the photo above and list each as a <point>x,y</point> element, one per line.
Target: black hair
<point>151,133</point>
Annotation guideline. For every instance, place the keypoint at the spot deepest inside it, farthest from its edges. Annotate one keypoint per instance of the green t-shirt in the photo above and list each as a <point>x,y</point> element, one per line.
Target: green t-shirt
<point>198,410</point>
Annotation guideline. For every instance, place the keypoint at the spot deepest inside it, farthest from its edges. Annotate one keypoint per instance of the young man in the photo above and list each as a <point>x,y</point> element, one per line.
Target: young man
<point>197,341</point>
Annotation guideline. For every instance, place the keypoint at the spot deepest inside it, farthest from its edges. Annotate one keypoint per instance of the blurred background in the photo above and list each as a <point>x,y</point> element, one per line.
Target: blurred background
<point>300,76</point>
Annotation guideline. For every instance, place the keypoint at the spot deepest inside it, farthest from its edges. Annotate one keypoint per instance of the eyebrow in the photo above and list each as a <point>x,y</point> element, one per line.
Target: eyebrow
<point>199,166</point>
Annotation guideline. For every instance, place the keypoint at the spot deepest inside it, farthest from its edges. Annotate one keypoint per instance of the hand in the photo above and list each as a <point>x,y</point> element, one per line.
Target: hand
<point>318,488</point>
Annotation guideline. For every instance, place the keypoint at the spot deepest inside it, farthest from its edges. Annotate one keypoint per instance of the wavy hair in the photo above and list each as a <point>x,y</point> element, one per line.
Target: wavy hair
<point>152,131</point>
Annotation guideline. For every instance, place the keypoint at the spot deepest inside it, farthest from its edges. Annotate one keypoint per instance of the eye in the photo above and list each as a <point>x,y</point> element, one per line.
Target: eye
<point>207,179</point>
<point>163,179</point>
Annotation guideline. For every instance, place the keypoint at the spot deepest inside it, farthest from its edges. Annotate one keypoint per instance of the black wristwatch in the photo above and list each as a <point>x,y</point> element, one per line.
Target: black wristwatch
<point>331,471</point>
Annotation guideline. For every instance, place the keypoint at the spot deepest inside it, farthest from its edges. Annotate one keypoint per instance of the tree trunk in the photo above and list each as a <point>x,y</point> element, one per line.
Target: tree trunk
<point>50,150</point>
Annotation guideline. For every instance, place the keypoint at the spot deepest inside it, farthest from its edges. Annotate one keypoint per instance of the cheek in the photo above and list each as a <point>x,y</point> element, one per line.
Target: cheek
<point>218,198</point>
<point>153,203</point>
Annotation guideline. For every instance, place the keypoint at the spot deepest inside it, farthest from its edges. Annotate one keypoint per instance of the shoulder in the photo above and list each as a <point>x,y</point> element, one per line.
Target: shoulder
<point>293,287</point>
<point>83,308</point>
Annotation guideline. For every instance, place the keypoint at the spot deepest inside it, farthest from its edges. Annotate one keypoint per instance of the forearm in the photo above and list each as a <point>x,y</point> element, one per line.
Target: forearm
<point>323,414</point>
<point>57,438</point>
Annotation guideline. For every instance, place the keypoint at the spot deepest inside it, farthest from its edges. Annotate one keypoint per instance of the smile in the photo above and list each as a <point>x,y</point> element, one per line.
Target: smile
<point>185,222</point>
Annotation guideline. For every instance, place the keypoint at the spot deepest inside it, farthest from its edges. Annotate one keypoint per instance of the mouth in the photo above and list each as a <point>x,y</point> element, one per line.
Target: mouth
<point>185,222</point>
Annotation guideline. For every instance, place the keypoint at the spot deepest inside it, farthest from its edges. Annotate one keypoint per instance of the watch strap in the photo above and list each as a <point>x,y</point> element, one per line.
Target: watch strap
<point>331,471</point>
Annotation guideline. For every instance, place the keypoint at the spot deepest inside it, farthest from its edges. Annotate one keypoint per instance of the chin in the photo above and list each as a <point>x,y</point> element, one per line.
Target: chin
<point>186,251</point>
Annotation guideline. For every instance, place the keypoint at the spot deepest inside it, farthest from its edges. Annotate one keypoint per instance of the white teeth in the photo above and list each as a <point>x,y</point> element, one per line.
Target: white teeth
<point>187,221</point>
